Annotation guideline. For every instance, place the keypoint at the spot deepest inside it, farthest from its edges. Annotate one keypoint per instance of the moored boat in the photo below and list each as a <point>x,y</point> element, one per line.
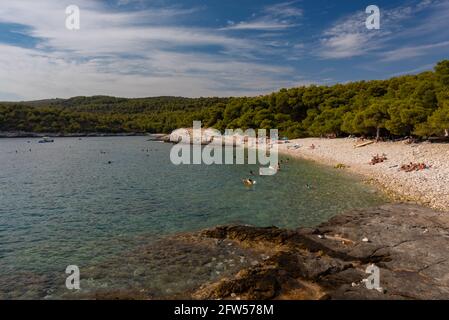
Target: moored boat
<point>46,140</point>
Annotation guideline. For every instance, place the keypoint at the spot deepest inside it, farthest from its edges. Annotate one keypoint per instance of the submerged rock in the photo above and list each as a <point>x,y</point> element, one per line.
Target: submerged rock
<point>412,264</point>
<point>407,243</point>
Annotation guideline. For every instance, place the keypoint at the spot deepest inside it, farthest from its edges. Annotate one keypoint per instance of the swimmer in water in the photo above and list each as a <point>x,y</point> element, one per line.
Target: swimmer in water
<point>248,182</point>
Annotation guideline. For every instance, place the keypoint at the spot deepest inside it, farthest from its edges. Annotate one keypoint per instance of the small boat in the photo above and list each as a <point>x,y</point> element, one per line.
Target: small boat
<point>46,140</point>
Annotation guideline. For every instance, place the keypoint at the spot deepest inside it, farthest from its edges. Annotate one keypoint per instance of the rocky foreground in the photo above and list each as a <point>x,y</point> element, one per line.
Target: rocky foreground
<point>408,243</point>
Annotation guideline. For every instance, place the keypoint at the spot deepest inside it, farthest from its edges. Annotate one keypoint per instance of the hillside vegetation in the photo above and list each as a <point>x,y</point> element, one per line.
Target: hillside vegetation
<point>402,106</point>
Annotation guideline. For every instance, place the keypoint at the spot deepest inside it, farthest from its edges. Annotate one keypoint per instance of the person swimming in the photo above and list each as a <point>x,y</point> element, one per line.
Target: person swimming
<point>248,182</point>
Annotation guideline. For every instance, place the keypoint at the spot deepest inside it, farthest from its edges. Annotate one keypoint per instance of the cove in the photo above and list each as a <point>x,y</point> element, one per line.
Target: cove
<point>86,202</point>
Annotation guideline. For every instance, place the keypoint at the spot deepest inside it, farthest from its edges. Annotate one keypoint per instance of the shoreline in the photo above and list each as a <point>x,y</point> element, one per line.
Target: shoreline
<point>31,135</point>
<point>429,187</point>
<point>328,261</point>
<point>406,242</point>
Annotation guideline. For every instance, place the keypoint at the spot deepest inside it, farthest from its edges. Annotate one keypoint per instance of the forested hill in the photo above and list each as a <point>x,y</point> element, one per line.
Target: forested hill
<point>401,106</point>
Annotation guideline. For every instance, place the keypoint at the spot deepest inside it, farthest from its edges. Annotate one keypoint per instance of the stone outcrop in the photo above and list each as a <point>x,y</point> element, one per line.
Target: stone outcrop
<point>408,243</point>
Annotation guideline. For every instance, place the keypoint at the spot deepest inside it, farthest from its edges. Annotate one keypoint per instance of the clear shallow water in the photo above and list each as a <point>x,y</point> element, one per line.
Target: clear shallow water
<point>64,203</point>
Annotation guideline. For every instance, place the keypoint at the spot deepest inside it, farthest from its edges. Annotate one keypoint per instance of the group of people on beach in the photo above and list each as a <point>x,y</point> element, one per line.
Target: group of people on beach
<point>378,159</point>
<point>414,167</point>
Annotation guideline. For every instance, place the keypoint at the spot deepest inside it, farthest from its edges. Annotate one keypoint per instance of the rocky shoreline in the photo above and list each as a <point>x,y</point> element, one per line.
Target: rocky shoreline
<point>407,242</point>
<point>428,187</point>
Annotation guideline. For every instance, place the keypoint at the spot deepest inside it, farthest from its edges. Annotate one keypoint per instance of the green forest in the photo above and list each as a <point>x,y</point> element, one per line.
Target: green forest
<point>410,105</point>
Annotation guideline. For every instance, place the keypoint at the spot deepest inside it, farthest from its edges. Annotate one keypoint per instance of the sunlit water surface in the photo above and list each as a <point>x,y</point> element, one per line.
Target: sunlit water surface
<point>98,203</point>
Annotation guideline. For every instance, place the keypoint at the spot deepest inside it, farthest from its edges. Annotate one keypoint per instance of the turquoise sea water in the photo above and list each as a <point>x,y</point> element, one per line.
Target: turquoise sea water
<point>86,202</point>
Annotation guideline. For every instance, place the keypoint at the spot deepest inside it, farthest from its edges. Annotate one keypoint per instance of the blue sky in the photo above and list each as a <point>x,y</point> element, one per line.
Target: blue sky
<point>138,48</point>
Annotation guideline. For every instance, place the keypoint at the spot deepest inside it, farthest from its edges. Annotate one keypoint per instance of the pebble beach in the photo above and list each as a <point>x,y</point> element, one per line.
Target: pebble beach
<point>428,187</point>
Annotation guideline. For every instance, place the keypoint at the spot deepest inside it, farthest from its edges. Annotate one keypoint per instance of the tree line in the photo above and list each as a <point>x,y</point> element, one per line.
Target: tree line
<point>410,105</point>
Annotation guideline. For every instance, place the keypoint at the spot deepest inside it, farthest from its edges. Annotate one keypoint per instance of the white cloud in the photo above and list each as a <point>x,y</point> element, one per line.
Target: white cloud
<point>122,54</point>
<point>32,75</point>
<point>258,25</point>
<point>344,45</point>
<point>275,17</point>
<point>431,24</point>
<point>349,37</point>
<point>425,67</point>
<point>284,10</point>
<point>413,51</point>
